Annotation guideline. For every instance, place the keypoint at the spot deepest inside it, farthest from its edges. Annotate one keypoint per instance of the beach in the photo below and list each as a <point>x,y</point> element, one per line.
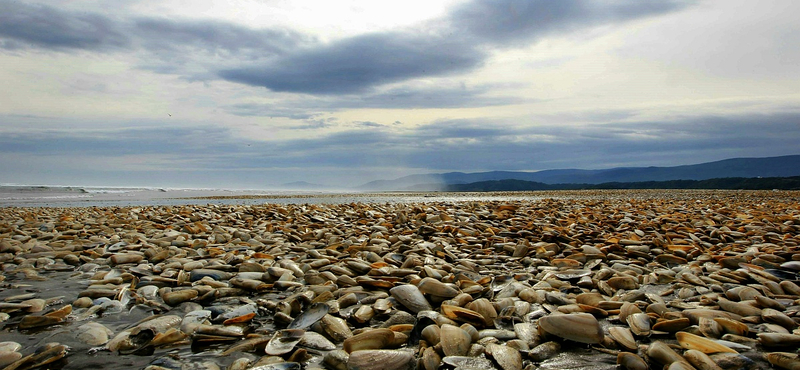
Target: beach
<point>217,279</point>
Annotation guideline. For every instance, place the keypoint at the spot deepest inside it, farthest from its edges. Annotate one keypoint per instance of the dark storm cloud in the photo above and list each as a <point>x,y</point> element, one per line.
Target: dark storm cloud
<point>44,26</point>
<point>288,61</point>
<point>358,63</point>
<point>513,21</point>
<point>458,45</point>
<point>53,28</point>
<point>215,37</point>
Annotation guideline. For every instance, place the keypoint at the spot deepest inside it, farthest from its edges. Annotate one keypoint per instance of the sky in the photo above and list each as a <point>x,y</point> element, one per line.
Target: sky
<point>255,94</point>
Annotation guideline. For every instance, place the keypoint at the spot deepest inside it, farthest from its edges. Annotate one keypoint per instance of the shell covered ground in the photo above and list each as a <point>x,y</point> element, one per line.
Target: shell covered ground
<point>572,280</point>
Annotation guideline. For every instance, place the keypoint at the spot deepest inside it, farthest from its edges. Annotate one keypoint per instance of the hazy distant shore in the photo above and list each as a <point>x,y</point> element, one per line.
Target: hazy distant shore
<point>75,196</point>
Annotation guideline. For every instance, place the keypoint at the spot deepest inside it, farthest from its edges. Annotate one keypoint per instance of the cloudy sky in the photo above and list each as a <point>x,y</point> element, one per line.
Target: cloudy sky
<point>257,93</point>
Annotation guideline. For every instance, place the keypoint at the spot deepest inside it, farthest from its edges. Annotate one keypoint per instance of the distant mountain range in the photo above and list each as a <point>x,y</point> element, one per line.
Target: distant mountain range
<point>783,166</point>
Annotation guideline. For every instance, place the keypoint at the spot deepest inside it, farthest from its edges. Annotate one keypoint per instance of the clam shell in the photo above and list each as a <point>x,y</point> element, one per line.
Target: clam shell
<point>630,361</point>
<point>691,341</point>
<point>623,337</point>
<point>336,328</point>
<point>430,359</point>
<point>661,352</point>
<point>311,315</point>
<point>784,360</point>
<point>578,327</point>
<point>454,340</point>
<point>700,360</point>
<point>672,326</point>
<point>463,315</point>
<point>370,339</point>
<point>508,358</point>
<point>732,326</point>
<point>284,341</point>
<point>381,360</point>
<point>436,288</point>
<point>94,334</point>
<point>410,297</point>
<point>639,324</point>
<point>779,340</point>
<point>544,351</point>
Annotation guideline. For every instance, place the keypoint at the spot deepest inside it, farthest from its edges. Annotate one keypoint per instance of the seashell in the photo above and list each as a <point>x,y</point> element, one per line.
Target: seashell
<point>430,359</point>
<point>336,359</point>
<point>579,327</point>
<point>29,322</point>
<point>732,326</point>
<point>454,340</point>
<point>544,351</point>
<point>170,336</point>
<point>43,355</point>
<point>60,313</point>
<point>500,334</point>
<point>484,308</point>
<point>526,332</point>
<point>382,306</point>
<point>589,299</point>
<point>218,330</point>
<point>508,358</point>
<point>177,297</point>
<point>700,360</point>
<point>691,341</point>
<point>283,341</point>
<point>410,297</point>
<point>680,366</point>
<point>249,284</point>
<point>739,308</point>
<point>94,334</point>
<point>336,328</point>
<point>777,317</point>
<point>663,353</point>
<point>790,287</point>
<point>381,359</point>
<point>314,340</point>
<point>626,310</point>
<point>639,324</point>
<point>623,337</point>
<point>784,360</point>
<point>464,362</point>
<point>463,315</point>
<point>473,332</point>
<point>431,334</point>
<point>125,258</point>
<point>710,327</point>
<point>631,361</point>
<point>773,340</point>
<point>9,357</point>
<point>218,275</point>
<point>694,315</point>
<point>436,288</point>
<point>672,326</point>
<point>370,339</point>
<point>727,360</point>
<point>311,315</point>
<point>625,282</point>
<point>251,344</point>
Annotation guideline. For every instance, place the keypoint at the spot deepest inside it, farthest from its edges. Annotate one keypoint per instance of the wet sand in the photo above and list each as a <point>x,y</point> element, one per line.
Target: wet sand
<point>502,268</point>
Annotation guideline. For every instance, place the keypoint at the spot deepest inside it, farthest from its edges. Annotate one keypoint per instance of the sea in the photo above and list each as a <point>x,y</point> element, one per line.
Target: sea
<point>98,196</point>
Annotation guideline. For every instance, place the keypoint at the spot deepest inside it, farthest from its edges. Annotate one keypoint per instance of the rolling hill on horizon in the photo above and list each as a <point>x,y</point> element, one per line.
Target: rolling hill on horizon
<point>782,166</point>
